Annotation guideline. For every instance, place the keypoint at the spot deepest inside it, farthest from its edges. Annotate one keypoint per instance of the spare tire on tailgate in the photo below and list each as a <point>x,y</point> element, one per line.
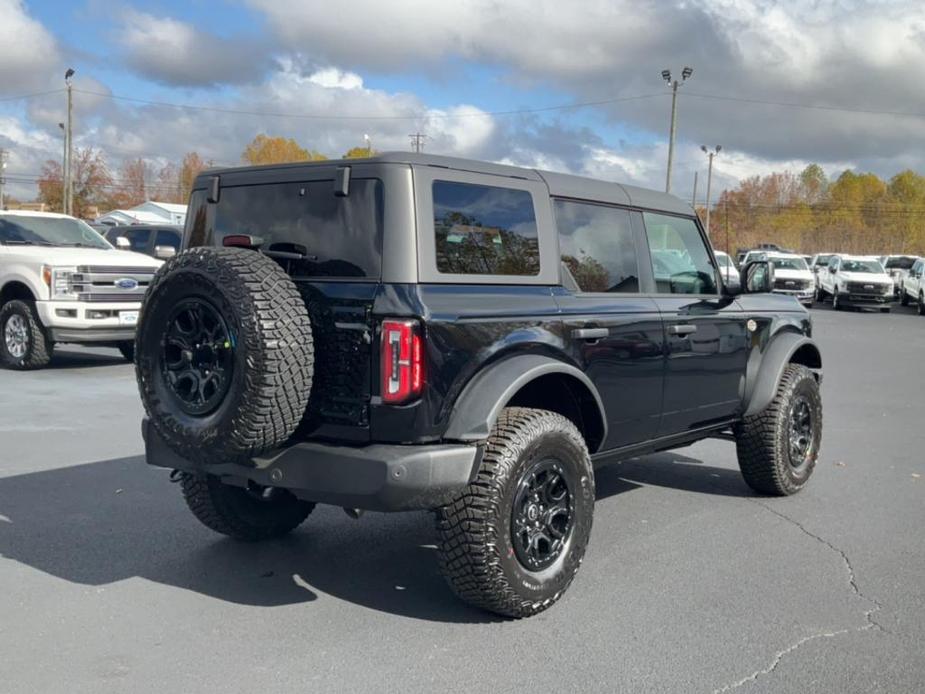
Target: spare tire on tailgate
<point>224,354</point>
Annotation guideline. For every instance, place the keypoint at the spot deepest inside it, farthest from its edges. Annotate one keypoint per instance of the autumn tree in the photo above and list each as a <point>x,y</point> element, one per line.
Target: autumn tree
<point>132,188</point>
<point>264,149</point>
<point>174,182</point>
<point>360,153</point>
<point>92,182</point>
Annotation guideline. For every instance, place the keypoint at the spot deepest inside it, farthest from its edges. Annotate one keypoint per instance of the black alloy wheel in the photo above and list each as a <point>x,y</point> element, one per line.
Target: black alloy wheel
<point>801,432</point>
<point>541,518</point>
<point>198,356</point>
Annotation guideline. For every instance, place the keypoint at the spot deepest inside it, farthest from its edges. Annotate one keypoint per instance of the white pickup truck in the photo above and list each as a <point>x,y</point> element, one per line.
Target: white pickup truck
<point>912,289</point>
<point>60,281</point>
<point>793,277</point>
<point>858,281</point>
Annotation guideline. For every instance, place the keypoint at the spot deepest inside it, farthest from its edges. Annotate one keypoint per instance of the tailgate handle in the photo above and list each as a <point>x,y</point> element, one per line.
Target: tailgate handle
<point>590,333</point>
<point>684,329</point>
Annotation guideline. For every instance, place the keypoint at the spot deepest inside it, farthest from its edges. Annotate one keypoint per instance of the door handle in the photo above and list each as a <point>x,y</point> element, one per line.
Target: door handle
<point>590,333</point>
<point>683,329</point>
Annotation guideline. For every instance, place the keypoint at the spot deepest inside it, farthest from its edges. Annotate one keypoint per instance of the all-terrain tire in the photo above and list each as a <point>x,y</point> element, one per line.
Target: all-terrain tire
<point>241,513</point>
<point>127,349</point>
<point>38,347</point>
<point>476,546</point>
<point>903,297</point>
<point>271,362</point>
<point>763,439</point>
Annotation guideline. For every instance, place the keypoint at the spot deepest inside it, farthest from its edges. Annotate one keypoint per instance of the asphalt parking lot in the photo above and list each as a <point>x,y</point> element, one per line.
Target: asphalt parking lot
<point>691,583</point>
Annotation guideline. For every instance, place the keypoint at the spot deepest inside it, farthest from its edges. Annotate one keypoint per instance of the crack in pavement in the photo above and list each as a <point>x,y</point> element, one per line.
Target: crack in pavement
<point>871,623</point>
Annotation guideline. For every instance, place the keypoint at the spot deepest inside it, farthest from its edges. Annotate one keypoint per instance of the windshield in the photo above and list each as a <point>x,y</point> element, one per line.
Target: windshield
<point>21,230</point>
<point>789,264</point>
<point>724,260</point>
<point>823,259</point>
<point>899,262</point>
<point>861,266</point>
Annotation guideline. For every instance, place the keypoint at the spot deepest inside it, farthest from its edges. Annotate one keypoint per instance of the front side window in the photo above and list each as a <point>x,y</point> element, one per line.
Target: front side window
<point>137,239</point>
<point>167,238</point>
<point>484,230</point>
<point>338,237</point>
<point>680,260</point>
<point>597,247</point>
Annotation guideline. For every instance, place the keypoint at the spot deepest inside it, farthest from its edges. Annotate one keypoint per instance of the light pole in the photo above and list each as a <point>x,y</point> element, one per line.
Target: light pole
<point>710,153</point>
<point>63,165</point>
<point>666,75</point>
<point>68,159</point>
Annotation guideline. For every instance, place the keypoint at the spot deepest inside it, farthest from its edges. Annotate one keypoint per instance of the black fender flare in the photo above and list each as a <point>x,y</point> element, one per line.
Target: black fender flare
<point>762,384</point>
<point>481,401</point>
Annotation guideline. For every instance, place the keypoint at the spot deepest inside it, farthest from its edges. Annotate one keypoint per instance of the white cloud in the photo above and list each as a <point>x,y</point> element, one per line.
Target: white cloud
<point>172,52</point>
<point>28,52</point>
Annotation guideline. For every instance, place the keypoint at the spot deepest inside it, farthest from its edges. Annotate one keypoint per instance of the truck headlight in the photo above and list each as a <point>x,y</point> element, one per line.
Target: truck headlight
<point>59,284</point>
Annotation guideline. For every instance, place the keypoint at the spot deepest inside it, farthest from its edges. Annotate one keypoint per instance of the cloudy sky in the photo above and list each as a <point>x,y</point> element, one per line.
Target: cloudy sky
<point>778,84</point>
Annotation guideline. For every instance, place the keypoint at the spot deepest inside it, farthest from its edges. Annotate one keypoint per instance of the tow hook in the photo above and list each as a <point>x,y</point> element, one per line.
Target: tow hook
<point>354,513</point>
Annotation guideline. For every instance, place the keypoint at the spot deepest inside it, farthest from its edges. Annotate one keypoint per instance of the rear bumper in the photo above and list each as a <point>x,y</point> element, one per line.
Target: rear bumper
<point>378,477</point>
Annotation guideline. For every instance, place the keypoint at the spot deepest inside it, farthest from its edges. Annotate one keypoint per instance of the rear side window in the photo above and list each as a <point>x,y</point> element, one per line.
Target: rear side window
<point>484,230</point>
<point>340,237</point>
<point>167,238</point>
<point>680,260</point>
<point>597,247</point>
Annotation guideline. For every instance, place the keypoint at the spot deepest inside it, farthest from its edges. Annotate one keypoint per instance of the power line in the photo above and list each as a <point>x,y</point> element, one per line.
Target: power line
<point>30,96</point>
<point>872,112</point>
<point>418,116</point>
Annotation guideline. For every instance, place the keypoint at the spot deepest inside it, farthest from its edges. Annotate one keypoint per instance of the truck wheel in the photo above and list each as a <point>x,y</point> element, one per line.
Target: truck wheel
<point>23,344</point>
<point>836,304</point>
<point>243,514</point>
<point>224,354</point>
<point>513,541</point>
<point>820,296</point>
<point>128,350</point>
<point>920,306</point>
<point>778,447</point>
<point>903,297</point>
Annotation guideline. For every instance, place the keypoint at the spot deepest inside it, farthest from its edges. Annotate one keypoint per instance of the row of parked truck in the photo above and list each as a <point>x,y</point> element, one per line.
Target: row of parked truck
<point>856,281</point>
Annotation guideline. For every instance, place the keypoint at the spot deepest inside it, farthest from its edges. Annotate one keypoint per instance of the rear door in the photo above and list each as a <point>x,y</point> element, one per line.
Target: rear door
<point>705,332</point>
<point>614,331</point>
<point>332,248</point>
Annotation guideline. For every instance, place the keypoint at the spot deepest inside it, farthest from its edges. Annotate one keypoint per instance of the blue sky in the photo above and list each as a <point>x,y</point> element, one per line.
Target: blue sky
<point>435,61</point>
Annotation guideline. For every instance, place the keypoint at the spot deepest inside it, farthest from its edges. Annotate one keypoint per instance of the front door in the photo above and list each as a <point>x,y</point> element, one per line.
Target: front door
<point>705,332</point>
<point>614,332</point>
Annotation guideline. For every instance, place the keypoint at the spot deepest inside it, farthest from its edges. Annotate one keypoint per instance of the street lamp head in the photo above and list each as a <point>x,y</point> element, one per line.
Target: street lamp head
<point>68,74</point>
<point>703,148</point>
<point>686,72</point>
<point>666,75</point>
<point>718,148</point>
<point>61,125</point>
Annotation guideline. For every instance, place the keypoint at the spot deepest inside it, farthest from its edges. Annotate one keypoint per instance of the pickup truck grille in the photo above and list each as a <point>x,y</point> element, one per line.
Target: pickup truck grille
<point>781,283</point>
<point>102,283</point>
<point>870,288</point>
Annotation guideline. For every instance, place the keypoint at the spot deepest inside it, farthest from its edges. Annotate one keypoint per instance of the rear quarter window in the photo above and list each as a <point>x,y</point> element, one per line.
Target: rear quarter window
<point>485,230</point>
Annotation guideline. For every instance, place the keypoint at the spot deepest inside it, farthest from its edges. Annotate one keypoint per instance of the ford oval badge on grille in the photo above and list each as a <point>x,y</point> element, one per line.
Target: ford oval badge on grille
<point>126,283</point>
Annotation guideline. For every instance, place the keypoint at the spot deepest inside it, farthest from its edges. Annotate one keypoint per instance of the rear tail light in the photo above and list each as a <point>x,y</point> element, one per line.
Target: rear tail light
<point>402,361</point>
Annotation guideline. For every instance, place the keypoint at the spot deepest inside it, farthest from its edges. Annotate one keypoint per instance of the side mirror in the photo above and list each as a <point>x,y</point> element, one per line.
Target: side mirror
<point>123,243</point>
<point>164,252</point>
<point>757,277</point>
<point>832,269</point>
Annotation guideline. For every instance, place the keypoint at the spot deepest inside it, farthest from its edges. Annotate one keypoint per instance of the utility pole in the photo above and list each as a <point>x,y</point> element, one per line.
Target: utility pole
<point>694,196</point>
<point>68,159</point>
<point>63,165</point>
<point>710,153</point>
<point>369,146</point>
<point>417,142</point>
<point>2,168</point>
<point>666,75</point>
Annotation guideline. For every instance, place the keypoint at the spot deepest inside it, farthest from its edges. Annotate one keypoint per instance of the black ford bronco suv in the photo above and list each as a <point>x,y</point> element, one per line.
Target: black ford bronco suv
<point>422,332</point>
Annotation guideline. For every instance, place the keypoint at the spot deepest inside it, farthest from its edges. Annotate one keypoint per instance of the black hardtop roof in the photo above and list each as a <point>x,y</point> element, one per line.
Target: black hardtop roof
<point>559,184</point>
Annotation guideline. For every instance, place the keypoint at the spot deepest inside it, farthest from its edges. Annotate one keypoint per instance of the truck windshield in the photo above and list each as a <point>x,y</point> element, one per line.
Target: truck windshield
<point>862,266</point>
<point>23,230</point>
<point>789,263</point>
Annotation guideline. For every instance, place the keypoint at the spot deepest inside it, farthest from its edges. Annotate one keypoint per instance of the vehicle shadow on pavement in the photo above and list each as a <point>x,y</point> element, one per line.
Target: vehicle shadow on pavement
<point>100,523</point>
<point>672,471</point>
<point>67,359</point>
